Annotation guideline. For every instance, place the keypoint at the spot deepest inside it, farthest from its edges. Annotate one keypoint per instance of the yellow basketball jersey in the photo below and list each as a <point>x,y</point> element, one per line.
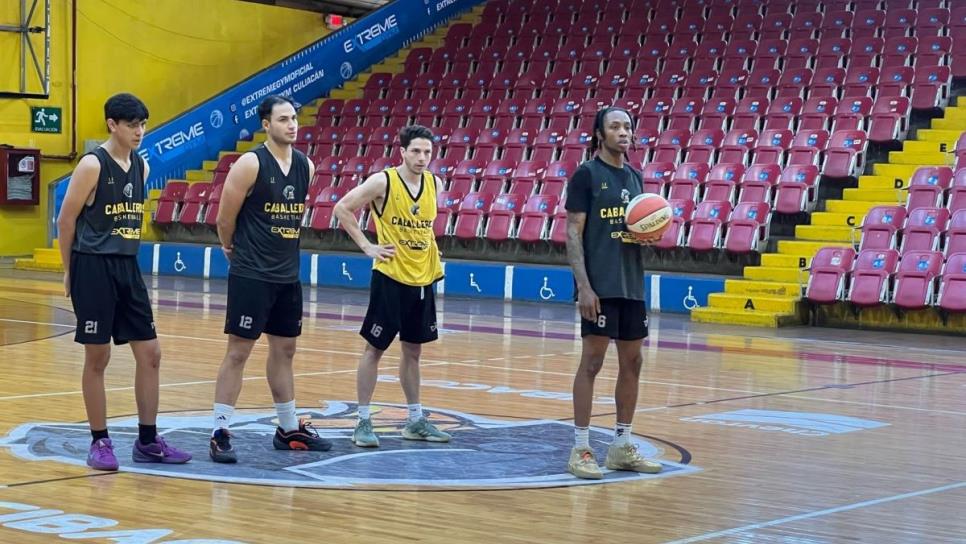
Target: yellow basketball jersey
<point>406,222</point>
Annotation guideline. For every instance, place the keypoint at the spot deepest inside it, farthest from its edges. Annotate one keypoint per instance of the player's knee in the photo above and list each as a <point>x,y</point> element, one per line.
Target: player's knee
<point>373,354</point>
<point>285,350</point>
<point>153,359</point>
<point>97,359</point>
<point>632,364</point>
<point>592,365</point>
<point>236,357</point>
<point>411,352</point>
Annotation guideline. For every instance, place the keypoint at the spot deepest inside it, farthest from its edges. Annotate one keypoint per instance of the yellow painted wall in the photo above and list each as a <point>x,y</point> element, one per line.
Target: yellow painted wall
<point>173,54</point>
<point>25,227</point>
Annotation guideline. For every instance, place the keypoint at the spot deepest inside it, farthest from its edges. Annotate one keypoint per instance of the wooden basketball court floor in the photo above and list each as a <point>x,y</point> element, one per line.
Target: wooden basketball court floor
<point>795,436</point>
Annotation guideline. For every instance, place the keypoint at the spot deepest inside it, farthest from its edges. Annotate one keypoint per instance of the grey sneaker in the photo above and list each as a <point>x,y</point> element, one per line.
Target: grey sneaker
<point>627,457</point>
<point>422,429</point>
<point>583,465</point>
<point>363,435</point>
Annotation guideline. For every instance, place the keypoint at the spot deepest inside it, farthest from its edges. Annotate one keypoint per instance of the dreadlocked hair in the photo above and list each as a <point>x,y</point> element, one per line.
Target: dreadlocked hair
<point>599,125</point>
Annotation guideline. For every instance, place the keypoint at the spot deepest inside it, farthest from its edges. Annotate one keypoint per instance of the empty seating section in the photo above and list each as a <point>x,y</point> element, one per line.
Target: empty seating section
<point>912,255</point>
<point>741,108</point>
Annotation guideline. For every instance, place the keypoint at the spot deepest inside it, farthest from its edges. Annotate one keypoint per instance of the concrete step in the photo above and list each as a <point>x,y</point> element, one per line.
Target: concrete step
<point>800,247</point>
<point>199,175</point>
<point>880,182</point>
<point>725,301</point>
<point>750,318</point>
<point>949,124</point>
<point>901,171</point>
<point>931,158</point>
<point>822,233</point>
<point>875,195</point>
<point>941,136</point>
<point>783,260</point>
<point>48,255</point>
<point>775,273</point>
<point>829,219</point>
<point>857,207</point>
<point>31,264</point>
<point>767,288</point>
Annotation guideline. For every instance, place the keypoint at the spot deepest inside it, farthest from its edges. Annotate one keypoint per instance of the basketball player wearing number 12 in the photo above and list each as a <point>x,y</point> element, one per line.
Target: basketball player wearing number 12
<point>608,268</point>
<point>262,205</point>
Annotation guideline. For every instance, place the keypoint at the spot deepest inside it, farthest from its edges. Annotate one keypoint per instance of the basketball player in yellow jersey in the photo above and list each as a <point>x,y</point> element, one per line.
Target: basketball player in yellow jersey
<point>407,264</point>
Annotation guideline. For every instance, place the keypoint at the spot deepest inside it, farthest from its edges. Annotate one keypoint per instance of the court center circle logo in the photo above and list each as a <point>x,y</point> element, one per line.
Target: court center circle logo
<point>484,453</point>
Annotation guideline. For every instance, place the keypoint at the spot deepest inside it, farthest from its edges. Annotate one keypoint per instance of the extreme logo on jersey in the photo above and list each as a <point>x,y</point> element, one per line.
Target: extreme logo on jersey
<point>288,233</point>
<point>418,245</point>
<point>484,453</point>
<point>128,233</point>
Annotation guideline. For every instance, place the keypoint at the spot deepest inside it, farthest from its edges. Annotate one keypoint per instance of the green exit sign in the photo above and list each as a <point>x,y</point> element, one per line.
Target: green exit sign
<point>45,119</point>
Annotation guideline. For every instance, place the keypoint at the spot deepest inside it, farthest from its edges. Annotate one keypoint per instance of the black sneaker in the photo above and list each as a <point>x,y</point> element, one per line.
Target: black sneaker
<point>220,449</point>
<point>304,438</point>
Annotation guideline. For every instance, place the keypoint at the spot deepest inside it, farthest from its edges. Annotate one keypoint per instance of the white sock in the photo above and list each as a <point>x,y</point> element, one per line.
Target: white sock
<point>415,412</point>
<point>223,413</point>
<point>286,416</point>
<point>364,412</point>
<point>582,437</point>
<point>622,434</point>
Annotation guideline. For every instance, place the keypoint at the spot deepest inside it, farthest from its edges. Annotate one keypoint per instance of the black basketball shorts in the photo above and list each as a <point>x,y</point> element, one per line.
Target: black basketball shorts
<point>110,299</point>
<point>397,308</point>
<point>619,318</point>
<point>256,307</point>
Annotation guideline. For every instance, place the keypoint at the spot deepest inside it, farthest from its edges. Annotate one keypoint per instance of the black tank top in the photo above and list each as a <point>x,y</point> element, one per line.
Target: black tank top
<point>111,225</point>
<point>615,264</point>
<point>266,242</point>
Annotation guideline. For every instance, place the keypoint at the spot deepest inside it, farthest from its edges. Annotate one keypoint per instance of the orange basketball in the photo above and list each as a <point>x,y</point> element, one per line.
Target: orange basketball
<point>648,213</point>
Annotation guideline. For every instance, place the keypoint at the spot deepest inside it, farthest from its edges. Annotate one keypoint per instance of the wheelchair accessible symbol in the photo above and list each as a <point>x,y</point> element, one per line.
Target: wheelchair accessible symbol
<point>474,284</point>
<point>690,302</point>
<point>179,265</point>
<point>345,272</point>
<point>546,293</point>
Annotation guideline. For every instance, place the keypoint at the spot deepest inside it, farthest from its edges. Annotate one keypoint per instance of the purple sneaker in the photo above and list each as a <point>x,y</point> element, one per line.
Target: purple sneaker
<point>159,452</point>
<point>101,456</point>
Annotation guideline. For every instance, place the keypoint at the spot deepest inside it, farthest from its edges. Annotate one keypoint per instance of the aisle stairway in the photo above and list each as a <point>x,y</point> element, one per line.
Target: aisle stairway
<point>770,295</point>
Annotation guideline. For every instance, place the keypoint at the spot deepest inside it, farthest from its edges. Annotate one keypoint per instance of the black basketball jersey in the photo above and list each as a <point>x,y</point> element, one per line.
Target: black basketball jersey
<point>111,225</point>
<point>614,262</point>
<point>266,241</point>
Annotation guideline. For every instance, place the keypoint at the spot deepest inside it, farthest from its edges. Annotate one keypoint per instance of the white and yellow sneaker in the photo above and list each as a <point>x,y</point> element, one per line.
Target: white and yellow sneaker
<point>626,457</point>
<point>583,464</point>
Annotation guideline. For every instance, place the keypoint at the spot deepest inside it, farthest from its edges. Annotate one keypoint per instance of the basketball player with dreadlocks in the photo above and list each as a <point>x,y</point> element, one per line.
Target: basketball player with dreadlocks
<point>608,268</point>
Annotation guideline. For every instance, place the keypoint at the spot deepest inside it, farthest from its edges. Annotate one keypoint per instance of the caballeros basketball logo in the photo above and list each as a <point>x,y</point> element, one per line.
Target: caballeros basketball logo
<point>484,453</point>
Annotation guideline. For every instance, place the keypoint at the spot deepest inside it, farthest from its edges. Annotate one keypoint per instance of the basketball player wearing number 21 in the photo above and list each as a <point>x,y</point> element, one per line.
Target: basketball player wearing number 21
<point>608,267</point>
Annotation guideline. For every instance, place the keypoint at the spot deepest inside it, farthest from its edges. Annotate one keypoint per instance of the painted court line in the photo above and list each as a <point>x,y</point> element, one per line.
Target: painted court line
<point>826,357</point>
<point>599,377</point>
<point>819,513</point>
<point>300,348</point>
<point>37,323</point>
<point>877,405</point>
<point>202,382</point>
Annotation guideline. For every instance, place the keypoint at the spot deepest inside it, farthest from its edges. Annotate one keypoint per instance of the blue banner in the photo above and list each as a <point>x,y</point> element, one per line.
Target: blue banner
<point>475,279</point>
<point>681,294</point>
<point>344,271</point>
<point>215,125</point>
<point>543,284</point>
<point>217,264</point>
<point>181,260</point>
